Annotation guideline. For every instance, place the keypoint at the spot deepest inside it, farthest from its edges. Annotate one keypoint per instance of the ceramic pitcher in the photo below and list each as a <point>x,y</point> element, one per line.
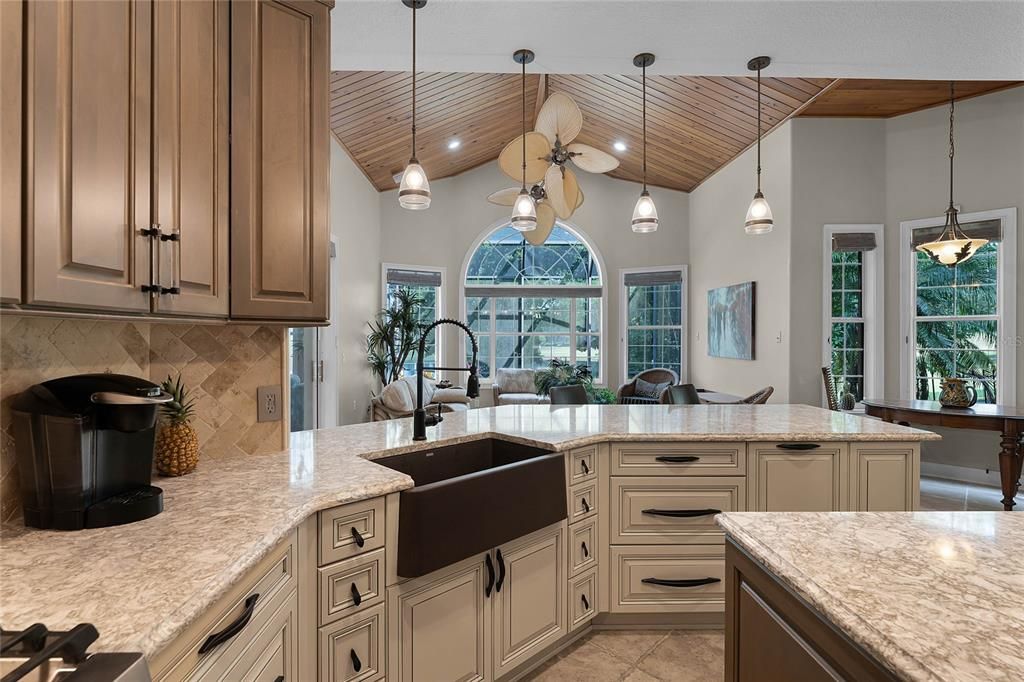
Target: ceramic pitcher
<point>957,393</point>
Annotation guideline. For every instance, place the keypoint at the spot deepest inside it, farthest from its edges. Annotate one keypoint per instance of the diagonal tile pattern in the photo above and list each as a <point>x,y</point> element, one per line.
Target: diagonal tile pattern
<point>223,364</point>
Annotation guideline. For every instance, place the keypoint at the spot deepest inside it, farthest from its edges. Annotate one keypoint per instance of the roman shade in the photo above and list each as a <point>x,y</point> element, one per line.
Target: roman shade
<point>414,278</point>
<point>646,279</point>
<point>854,241</point>
<point>991,230</point>
<point>512,291</point>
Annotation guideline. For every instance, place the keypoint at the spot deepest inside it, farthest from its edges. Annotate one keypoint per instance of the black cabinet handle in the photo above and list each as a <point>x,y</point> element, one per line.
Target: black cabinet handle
<point>797,446</point>
<point>586,505</point>
<point>693,582</point>
<point>357,665</point>
<point>583,465</point>
<point>490,575</point>
<point>586,552</point>
<point>279,678</point>
<point>357,598</point>
<point>586,602</point>
<point>676,459</point>
<point>218,638</point>
<point>501,571</point>
<point>358,537</point>
<point>682,513</point>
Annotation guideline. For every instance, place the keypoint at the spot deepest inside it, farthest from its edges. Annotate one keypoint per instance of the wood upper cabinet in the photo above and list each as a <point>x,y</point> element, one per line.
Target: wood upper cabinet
<point>87,154</point>
<point>279,159</point>
<point>10,152</point>
<point>191,56</point>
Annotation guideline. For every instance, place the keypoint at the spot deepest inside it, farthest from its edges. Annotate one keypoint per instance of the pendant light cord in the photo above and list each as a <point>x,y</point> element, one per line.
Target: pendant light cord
<point>759,130</point>
<point>644,88</point>
<point>524,124</point>
<point>952,101</point>
<point>414,80</point>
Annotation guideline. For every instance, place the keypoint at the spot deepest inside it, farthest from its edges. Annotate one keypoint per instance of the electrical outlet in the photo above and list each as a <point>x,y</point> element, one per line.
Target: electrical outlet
<point>268,403</point>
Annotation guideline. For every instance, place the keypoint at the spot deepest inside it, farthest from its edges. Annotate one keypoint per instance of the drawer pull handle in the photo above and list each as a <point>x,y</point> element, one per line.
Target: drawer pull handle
<point>586,602</point>
<point>357,598</point>
<point>586,505</point>
<point>583,465</point>
<point>692,582</point>
<point>279,678</point>
<point>586,552</point>
<point>676,459</point>
<point>358,537</point>
<point>501,571</point>
<point>357,665</point>
<point>798,446</point>
<point>490,575</point>
<point>218,638</point>
<point>682,513</point>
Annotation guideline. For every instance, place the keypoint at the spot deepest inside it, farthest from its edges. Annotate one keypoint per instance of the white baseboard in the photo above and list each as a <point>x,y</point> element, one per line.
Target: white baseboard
<point>964,474</point>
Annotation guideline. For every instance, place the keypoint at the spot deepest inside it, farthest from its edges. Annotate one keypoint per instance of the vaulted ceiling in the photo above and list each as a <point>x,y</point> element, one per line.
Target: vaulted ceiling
<point>695,125</point>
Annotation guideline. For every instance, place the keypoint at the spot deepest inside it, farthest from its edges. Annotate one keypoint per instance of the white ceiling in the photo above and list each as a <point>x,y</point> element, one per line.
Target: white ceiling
<point>920,39</point>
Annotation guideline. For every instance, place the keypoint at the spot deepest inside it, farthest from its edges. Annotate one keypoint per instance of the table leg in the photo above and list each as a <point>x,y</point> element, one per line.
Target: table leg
<point>1009,465</point>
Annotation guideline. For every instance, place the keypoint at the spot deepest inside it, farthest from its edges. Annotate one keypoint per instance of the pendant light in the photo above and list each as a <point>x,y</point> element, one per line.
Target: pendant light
<point>953,246</point>
<point>414,192</point>
<point>524,210</point>
<point>645,214</point>
<point>759,215</point>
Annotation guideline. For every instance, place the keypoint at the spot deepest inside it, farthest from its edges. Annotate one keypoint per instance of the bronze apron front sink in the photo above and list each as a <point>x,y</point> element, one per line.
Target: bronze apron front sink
<point>473,496</point>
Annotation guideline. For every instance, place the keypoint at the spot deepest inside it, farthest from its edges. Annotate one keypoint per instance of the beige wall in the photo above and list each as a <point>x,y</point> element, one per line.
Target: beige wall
<point>223,366</point>
<point>459,213</point>
<point>721,253</point>
<point>355,294</point>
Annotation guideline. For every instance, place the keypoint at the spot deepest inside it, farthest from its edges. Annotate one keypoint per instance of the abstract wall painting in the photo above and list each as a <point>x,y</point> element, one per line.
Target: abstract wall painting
<point>731,321</point>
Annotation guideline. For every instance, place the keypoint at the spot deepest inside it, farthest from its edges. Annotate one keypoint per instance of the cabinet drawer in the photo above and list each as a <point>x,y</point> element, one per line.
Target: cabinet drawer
<point>252,601</point>
<point>350,530</point>
<point>668,578</point>
<point>582,599</point>
<point>270,655</point>
<point>583,463</point>
<point>662,509</point>
<point>582,502</point>
<point>678,459</point>
<point>352,650</point>
<point>351,585</point>
<point>582,546</point>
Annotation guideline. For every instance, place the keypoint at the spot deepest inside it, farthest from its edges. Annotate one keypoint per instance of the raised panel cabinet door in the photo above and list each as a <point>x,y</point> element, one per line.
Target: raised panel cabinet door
<point>269,655</point>
<point>782,479</point>
<point>529,601</point>
<point>884,476</point>
<point>87,154</point>
<point>10,151</point>
<point>439,626</point>
<point>279,159</point>
<point>191,53</point>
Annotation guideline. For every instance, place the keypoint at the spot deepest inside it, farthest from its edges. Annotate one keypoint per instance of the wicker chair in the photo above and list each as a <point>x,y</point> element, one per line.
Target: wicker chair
<point>830,388</point>
<point>758,398</point>
<point>627,392</point>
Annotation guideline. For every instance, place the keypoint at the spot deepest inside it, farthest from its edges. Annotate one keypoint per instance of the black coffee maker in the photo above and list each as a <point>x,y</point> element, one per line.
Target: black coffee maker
<point>84,447</point>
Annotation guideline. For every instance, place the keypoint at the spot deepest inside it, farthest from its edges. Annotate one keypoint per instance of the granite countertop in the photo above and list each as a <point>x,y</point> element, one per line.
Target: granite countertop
<point>143,583</point>
<point>931,595</point>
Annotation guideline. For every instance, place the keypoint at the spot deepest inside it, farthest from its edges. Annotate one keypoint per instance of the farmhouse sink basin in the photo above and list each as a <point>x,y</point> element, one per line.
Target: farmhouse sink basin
<point>473,496</point>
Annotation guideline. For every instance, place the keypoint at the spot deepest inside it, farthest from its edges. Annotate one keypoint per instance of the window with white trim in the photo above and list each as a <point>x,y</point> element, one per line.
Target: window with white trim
<point>960,321</point>
<point>427,284</point>
<point>654,320</point>
<point>528,305</point>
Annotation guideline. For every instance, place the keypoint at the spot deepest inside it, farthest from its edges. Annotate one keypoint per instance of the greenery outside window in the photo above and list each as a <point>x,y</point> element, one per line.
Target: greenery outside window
<point>654,320</point>
<point>427,284</point>
<point>847,324</point>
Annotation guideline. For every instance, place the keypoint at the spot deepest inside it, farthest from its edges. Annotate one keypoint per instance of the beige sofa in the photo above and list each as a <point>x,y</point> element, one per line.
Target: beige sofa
<point>398,399</point>
<point>516,387</point>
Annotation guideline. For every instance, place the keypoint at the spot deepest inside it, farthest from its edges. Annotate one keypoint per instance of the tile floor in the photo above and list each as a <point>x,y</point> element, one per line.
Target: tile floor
<point>698,655</point>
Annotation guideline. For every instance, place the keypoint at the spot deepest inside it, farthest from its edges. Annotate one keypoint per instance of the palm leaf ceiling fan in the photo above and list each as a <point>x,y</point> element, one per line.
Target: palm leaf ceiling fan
<point>549,147</point>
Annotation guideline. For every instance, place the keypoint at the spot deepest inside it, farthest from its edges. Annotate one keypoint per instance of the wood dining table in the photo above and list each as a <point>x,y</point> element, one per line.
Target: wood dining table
<point>1008,421</point>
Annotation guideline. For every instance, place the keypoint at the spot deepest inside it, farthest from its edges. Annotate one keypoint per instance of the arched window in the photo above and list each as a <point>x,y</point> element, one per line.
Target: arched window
<point>528,305</point>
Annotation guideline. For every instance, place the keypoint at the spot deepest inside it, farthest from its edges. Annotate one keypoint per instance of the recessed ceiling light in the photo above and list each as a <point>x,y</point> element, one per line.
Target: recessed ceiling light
<point>454,144</point>
<point>619,145</point>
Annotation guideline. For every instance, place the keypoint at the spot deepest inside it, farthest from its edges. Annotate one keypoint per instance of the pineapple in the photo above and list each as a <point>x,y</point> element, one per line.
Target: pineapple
<point>177,445</point>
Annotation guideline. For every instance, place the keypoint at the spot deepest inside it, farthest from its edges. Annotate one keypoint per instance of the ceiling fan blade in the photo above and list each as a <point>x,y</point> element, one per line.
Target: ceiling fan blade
<point>545,223</point>
<point>511,158</point>
<point>554,186</point>
<point>592,160</point>
<point>571,190</point>
<point>561,117</point>
<point>579,199</point>
<point>504,197</point>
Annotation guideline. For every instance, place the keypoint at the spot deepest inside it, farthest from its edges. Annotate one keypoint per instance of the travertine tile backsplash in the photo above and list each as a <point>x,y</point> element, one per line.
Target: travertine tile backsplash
<point>222,364</point>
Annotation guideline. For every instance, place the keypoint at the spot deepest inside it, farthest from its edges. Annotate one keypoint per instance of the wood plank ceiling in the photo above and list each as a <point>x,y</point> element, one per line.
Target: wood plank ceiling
<point>695,125</point>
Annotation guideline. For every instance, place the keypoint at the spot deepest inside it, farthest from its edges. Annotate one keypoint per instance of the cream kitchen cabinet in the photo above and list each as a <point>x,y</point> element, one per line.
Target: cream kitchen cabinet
<point>884,476</point>
<point>797,476</point>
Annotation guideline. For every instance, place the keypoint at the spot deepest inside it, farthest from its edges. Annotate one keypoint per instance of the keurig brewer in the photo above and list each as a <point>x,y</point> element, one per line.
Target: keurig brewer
<point>84,447</point>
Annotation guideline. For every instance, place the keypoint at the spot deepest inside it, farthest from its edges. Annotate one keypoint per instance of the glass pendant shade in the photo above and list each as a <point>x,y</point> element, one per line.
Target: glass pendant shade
<point>952,247</point>
<point>524,212</point>
<point>414,192</point>
<point>759,216</point>
<point>645,214</point>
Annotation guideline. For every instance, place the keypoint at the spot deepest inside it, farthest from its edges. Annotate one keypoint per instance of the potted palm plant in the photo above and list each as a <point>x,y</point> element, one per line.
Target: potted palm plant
<point>393,335</point>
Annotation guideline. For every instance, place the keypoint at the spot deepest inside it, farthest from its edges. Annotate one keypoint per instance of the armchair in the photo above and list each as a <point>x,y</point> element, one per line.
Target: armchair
<point>628,395</point>
<point>515,387</point>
